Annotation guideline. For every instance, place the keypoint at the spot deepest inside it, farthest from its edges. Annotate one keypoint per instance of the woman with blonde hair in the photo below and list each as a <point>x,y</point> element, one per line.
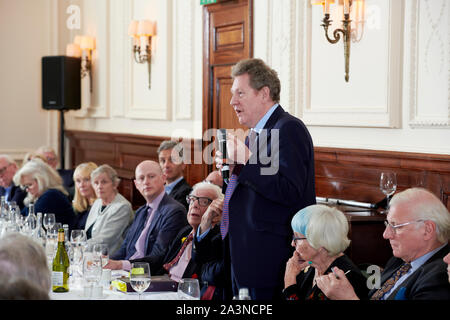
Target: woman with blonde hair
<point>44,188</point>
<point>84,193</point>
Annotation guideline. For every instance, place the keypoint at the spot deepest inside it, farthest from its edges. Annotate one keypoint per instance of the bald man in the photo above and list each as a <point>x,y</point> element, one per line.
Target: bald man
<point>155,224</point>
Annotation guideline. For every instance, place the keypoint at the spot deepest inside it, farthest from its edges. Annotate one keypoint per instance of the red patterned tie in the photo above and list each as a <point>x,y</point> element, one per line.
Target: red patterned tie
<point>175,260</point>
<point>389,283</point>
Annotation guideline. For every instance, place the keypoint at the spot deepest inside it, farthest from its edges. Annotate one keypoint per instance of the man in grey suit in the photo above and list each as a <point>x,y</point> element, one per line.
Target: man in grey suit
<point>155,224</point>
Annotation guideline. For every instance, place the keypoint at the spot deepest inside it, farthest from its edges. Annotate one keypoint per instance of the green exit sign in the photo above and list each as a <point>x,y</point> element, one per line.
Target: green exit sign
<point>202,2</point>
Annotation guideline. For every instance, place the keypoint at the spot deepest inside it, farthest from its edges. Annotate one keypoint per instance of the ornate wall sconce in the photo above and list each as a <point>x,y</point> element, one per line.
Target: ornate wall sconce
<point>142,32</point>
<point>345,30</point>
<point>83,46</point>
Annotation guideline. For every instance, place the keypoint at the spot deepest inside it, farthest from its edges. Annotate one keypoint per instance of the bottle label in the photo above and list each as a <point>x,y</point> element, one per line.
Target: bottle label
<point>57,278</point>
<point>60,236</point>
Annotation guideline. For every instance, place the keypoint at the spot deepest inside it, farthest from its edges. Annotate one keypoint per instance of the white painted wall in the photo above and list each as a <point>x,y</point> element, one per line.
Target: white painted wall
<point>26,35</point>
<point>398,96</point>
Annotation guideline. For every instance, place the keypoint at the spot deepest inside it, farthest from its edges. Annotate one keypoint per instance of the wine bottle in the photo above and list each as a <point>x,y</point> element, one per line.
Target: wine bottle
<point>60,268</point>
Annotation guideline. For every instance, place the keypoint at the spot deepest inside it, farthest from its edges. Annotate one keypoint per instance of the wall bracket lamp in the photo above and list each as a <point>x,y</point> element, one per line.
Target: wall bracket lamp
<point>142,32</point>
<point>83,47</point>
<point>345,30</point>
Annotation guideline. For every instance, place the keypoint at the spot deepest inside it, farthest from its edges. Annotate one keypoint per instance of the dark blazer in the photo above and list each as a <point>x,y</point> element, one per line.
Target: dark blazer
<point>304,289</point>
<point>180,191</point>
<point>156,265</point>
<point>429,282</point>
<point>215,268</point>
<point>67,177</point>
<point>17,195</point>
<point>168,219</point>
<point>262,205</point>
<point>54,201</point>
<point>80,218</point>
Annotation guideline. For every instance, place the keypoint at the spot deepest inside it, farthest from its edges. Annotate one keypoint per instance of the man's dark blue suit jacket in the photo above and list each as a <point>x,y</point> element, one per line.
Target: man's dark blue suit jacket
<point>169,218</point>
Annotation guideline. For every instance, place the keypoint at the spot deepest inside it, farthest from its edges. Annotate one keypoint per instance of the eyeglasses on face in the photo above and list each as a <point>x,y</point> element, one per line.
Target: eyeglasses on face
<point>3,170</point>
<point>202,201</point>
<point>397,226</point>
<point>295,239</point>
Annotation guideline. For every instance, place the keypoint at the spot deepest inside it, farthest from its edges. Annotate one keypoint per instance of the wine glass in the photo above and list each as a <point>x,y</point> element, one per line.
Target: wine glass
<point>77,240</point>
<point>140,277</point>
<point>92,268</point>
<point>388,185</point>
<point>188,289</point>
<point>49,221</point>
<point>103,251</point>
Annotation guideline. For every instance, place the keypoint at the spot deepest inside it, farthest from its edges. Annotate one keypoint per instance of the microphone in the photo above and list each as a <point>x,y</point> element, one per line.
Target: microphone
<point>222,136</point>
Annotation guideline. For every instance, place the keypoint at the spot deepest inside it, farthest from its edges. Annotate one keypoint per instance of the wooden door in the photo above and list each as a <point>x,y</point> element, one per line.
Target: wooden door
<point>228,38</point>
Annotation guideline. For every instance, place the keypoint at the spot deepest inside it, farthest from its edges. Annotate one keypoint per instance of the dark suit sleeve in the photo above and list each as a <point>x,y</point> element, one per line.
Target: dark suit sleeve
<point>284,180</point>
<point>174,221</point>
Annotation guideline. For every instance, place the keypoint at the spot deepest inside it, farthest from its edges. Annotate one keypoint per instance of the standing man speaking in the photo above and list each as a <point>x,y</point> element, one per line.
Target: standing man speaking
<point>273,178</point>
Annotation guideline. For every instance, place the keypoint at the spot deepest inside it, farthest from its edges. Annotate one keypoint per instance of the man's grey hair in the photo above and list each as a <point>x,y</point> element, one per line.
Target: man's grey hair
<point>423,204</point>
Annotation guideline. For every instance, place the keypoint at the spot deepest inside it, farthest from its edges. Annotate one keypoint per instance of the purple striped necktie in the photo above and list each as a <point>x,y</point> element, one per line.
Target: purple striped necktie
<point>224,224</point>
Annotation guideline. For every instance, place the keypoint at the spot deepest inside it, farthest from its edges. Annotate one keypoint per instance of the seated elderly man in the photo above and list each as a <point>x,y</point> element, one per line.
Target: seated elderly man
<point>320,238</point>
<point>418,229</point>
<point>205,199</point>
<point>8,188</point>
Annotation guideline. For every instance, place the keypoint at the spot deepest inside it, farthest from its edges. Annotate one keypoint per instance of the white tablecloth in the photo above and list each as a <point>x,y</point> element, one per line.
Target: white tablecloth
<point>77,294</point>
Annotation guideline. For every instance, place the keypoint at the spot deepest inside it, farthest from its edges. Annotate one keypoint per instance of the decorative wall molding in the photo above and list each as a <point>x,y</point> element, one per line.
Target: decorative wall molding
<point>142,102</point>
<point>97,25</point>
<point>385,115</point>
<point>281,47</point>
<point>435,44</point>
<point>183,73</point>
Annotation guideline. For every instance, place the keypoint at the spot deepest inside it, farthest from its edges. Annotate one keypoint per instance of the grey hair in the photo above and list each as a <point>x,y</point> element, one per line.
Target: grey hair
<point>23,258</point>
<point>209,186</point>
<point>111,173</point>
<point>423,204</point>
<point>328,228</point>
<point>171,144</point>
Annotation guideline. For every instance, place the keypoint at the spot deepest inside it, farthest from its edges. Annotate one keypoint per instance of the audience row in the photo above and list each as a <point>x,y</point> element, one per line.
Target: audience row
<point>177,232</point>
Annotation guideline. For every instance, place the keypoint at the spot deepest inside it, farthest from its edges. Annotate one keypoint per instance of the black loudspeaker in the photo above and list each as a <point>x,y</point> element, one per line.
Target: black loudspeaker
<point>61,83</point>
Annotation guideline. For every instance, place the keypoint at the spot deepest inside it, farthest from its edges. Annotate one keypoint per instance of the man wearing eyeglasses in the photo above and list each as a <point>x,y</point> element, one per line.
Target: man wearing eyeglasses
<point>8,168</point>
<point>205,197</point>
<point>155,224</point>
<point>418,229</point>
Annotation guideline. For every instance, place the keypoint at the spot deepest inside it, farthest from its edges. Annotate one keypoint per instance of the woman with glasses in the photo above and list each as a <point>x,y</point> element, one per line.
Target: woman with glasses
<point>44,187</point>
<point>320,238</point>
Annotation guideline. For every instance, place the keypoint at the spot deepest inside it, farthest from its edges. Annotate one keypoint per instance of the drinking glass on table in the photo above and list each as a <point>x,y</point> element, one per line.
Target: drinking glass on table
<point>78,241</point>
<point>102,250</point>
<point>188,289</point>
<point>388,185</point>
<point>92,268</point>
<point>49,221</point>
<point>140,277</point>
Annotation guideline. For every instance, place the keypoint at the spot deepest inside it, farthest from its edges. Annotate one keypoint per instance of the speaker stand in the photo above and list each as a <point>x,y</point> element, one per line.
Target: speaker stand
<point>61,139</point>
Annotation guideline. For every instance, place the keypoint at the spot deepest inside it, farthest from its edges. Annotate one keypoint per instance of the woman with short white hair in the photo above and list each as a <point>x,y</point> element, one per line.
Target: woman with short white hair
<point>320,238</point>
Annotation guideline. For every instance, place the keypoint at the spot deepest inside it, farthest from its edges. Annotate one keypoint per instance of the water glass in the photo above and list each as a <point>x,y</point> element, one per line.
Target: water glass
<point>188,289</point>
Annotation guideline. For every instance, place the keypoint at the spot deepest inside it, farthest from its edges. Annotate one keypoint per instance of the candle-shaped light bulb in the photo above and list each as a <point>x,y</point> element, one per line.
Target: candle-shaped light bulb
<point>346,6</point>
